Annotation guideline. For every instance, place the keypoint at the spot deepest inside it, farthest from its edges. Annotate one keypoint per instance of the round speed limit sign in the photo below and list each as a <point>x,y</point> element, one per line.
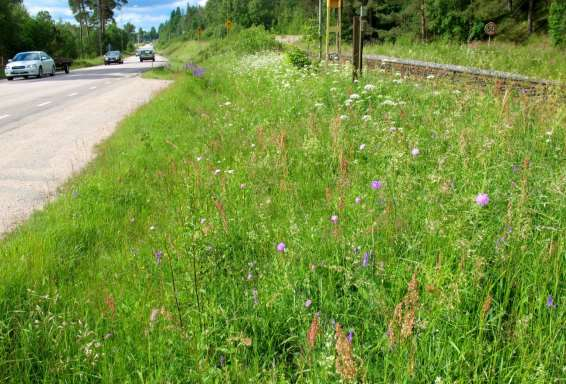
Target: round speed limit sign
<point>490,28</point>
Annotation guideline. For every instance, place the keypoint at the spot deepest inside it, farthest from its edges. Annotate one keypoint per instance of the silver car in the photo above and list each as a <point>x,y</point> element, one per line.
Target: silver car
<point>25,64</point>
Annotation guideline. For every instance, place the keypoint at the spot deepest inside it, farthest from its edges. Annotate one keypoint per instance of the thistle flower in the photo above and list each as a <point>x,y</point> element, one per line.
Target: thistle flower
<point>482,199</point>
<point>334,219</point>
<point>281,247</point>
<point>308,303</point>
<point>376,185</point>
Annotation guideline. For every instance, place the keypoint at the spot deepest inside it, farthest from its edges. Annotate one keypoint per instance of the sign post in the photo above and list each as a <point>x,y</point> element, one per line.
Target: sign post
<point>490,29</point>
<point>228,24</point>
<point>334,7</point>
<point>319,30</point>
<point>358,43</point>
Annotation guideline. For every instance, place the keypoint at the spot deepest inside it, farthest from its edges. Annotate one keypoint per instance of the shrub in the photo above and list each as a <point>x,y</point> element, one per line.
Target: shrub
<point>298,58</point>
<point>557,22</point>
<point>251,40</point>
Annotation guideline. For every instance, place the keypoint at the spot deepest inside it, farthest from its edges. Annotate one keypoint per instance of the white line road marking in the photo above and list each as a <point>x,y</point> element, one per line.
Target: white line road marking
<point>92,88</point>
<point>44,104</point>
<point>4,116</point>
<point>73,94</point>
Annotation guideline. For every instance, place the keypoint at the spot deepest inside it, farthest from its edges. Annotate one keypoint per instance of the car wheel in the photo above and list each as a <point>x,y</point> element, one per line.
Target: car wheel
<point>141,60</point>
<point>10,78</point>
<point>52,71</point>
<point>26,77</point>
<point>153,59</point>
<point>40,73</point>
<point>66,68</point>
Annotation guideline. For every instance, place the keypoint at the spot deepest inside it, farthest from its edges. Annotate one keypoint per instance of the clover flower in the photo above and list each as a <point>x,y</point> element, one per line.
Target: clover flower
<point>482,199</point>
<point>334,219</point>
<point>308,303</point>
<point>376,185</point>
<point>281,247</point>
<point>415,152</point>
<point>358,200</point>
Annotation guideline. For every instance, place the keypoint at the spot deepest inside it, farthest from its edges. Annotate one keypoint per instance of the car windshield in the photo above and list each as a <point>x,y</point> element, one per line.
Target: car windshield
<point>26,56</point>
<point>113,53</point>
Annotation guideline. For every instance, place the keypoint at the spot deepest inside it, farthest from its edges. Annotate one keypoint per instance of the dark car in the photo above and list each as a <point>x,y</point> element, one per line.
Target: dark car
<point>113,57</point>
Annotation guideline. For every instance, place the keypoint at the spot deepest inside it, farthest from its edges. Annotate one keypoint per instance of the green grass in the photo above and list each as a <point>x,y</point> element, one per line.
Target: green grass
<point>218,170</point>
<point>85,62</point>
<point>537,59</point>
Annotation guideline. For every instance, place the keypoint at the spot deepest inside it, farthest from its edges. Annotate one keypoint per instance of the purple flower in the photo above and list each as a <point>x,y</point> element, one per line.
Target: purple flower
<point>376,185</point>
<point>550,302</point>
<point>365,260</point>
<point>308,303</point>
<point>334,219</point>
<point>482,199</point>
<point>350,336</point>
<point>199,72</point>
<point>415,152</point>
<point>358,199</point>
<point>158,255</point>
<point>281,247</point>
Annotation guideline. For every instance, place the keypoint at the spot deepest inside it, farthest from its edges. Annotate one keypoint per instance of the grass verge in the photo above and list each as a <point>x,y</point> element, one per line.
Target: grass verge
<point>227,228</point>
<point>537,58</point>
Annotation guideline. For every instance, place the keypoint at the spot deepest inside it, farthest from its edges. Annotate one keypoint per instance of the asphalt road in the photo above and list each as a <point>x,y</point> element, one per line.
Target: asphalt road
<point>49,128</point>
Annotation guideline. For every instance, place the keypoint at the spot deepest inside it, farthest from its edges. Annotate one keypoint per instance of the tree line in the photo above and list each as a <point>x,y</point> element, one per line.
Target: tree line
<point>459,20</point>
<point>94,32</point>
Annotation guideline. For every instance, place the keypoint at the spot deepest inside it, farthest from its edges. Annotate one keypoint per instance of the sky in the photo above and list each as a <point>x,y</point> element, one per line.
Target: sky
<point>141,13</point>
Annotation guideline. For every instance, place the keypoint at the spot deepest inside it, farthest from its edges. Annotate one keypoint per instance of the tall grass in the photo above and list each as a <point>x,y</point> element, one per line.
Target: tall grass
<point>538,58</point>
<point>267,224</point>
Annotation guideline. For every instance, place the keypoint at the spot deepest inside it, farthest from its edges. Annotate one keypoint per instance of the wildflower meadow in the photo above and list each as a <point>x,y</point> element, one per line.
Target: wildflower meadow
<point>263,223</point>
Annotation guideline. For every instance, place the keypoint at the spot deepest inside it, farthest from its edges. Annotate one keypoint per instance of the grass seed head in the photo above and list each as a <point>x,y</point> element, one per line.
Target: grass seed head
<point>345,365</point>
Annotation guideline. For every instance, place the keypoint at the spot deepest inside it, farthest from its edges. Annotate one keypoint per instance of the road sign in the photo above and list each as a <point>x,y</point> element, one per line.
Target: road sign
<point>490,28</point>
<point>228,24</point>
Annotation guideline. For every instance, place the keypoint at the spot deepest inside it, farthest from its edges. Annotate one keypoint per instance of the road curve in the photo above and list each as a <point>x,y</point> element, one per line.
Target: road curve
<point>50,126</point>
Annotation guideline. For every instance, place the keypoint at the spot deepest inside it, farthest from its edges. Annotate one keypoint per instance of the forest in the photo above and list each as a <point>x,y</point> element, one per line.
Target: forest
<point>94,31</point>
<point>456,20</point>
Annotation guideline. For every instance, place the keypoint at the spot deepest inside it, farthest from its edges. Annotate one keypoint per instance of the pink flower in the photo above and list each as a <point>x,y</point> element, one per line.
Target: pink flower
<point>376,185</point>
<point>482,199</point>
<point>334,219</point>
<point>281,247</point>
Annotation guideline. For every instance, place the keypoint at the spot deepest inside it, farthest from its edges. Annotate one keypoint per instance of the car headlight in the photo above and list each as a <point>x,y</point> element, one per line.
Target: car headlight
<point>30,66</point>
